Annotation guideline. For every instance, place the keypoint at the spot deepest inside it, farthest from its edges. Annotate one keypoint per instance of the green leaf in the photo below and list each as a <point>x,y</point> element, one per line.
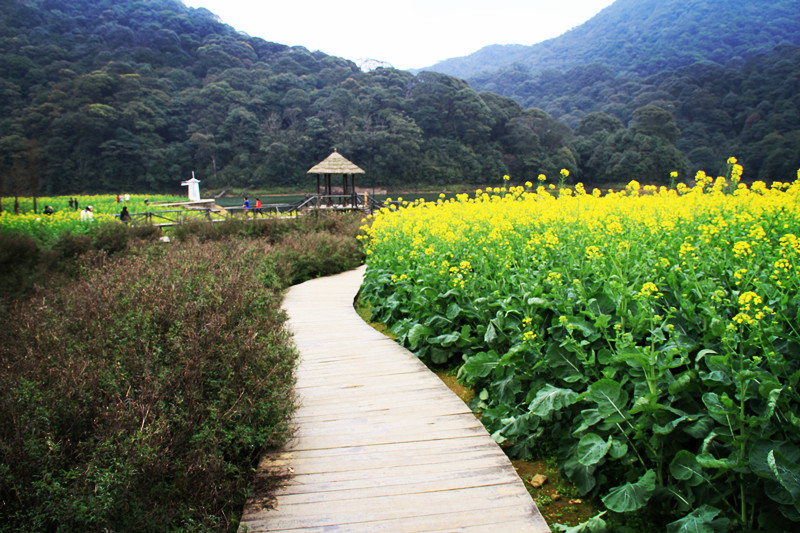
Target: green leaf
<point>453,310</point>
<point>417,333</point>
<point>682,382</point>
<point>480,365</point>
<point>679,342</point>
<point>550,399</point>
<point>631,496</point>
<point>507,389</point>
<point>759,452</point>
<point>589,418</point>
<point>717,327</point>
<point>586,328</point>
<point>611,399</point>
<point>538,302</point>
<point>717,377</point>
<point>720,408</point>
<point>439,323</point>
<point>490,335</point>
<point>445,340</point>
<point>563,364</point>
<point>669,427</point>
<point>698,521</point>
<point>632,356</point>
<point>774,396</point>
<point>595,524</point>
<point>592,448</point>
<point>439,355</point>
<point>786,472</point>
<point>702,353</point>
<point>684,467</point>
<point>706,460</point>
<point>580,474</point>
<point>618,449</point>
<point>700,428</point>
<point>644,403</point>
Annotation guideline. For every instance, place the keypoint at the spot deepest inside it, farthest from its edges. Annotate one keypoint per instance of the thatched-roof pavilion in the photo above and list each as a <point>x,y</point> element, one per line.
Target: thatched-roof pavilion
<point>336,164</point>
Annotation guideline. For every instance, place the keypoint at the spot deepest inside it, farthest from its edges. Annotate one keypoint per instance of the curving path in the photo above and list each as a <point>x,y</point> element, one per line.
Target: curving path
<point>381,443</point>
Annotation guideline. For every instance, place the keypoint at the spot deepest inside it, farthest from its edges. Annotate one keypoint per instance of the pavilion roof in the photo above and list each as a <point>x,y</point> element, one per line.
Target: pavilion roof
<point>335,164</point>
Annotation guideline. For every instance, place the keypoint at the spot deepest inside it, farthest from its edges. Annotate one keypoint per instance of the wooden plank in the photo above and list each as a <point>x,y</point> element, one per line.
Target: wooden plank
<point>502,519</point>
<point>307,464</point>
<point>381,444</point>
<point>334,441</point>
<point>383,508</point>
<point>425,447</point>
<point>395,470</point>
<point>484,477</point>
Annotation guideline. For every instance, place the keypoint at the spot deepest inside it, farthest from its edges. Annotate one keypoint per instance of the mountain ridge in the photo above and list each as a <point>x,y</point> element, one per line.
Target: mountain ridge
<point>636,26</point>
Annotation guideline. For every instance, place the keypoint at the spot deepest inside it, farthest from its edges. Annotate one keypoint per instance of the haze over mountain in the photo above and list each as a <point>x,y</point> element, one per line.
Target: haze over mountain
<point>648,36</point>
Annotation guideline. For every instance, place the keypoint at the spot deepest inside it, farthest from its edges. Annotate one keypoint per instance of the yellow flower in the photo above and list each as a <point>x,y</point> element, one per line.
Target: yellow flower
<point>742,249</point>
<point>593,252</point>
<point>649,289</point>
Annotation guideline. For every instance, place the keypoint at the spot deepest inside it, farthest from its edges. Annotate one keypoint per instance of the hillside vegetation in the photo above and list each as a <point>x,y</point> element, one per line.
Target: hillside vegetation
<point>132,96</point>
<point>728,72</point>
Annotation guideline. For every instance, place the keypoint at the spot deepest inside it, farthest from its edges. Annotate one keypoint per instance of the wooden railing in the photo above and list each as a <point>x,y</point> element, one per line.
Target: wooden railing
<point>212,213</point>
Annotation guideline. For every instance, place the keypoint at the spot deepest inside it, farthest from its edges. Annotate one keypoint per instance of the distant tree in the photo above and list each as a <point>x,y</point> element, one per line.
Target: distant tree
<point>656,122</point>
<point>598,122</point>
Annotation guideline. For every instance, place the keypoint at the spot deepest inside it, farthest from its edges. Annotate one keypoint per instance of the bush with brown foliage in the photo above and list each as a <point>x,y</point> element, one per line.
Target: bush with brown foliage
<point>141,395</point>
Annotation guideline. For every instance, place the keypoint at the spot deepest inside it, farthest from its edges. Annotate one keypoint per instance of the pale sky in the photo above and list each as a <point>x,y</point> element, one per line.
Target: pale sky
<point>407,34</point>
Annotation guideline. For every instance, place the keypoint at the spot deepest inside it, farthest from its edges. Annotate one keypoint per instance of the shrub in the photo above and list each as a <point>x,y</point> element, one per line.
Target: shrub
<point>69,245</point>
<point>142,396</point>
<point>111,237</point>
<point>19,263</point>
<point>305,247</point>
<point>315,255</point>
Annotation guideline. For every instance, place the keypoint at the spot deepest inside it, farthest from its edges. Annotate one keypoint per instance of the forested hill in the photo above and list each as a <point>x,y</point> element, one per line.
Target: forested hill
<point>644,37</point>
<point>133,95</point>
<point>723,76</point>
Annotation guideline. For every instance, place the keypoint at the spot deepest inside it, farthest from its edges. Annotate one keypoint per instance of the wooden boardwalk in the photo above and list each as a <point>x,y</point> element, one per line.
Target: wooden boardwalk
<point>381,444</point>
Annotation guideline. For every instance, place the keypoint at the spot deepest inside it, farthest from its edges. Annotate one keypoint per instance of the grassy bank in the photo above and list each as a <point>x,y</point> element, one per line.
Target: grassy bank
<point>141,384</point>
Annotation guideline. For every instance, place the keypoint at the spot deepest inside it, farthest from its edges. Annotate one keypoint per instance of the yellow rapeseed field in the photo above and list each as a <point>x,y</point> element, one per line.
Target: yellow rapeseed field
<point>650,336</point>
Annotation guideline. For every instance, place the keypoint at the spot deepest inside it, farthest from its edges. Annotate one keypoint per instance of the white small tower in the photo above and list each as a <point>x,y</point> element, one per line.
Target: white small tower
<point>194,188</point>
